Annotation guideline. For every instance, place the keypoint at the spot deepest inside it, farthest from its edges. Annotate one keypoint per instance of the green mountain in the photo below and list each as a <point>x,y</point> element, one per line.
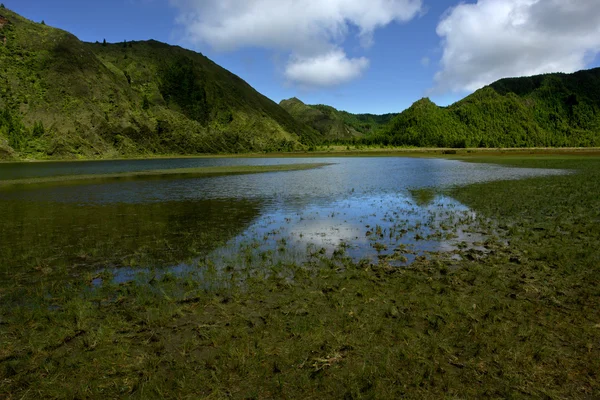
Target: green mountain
<point>332,124</point>
<point>61,97</point>
<point>539,111</point>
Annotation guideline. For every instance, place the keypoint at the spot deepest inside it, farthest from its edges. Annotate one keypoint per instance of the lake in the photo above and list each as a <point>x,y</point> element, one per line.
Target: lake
<point>373,208</point>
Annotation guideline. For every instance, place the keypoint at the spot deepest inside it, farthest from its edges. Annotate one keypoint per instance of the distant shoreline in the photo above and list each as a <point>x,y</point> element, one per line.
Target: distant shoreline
<point>178,173</point>
<point>342,151</point>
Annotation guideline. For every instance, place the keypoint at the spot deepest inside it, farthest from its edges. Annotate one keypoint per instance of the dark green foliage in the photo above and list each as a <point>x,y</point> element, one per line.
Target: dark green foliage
<point>332,124</point>
<point>43,23</point>
<point>38,129</point>
<point>145,103</point>
<point>362,123</point>
<point>13,130</point>
<point>546,110</point>
<point>127,76</point>
<point>182,85</point>
<point>425,125</point>
<point>103,42</point>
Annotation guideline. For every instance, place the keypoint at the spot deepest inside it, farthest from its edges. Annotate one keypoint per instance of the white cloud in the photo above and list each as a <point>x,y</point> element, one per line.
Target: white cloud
<point>311,31</point>
<point>425,61</point>
<point>493,39</point>
<point>329,69</point>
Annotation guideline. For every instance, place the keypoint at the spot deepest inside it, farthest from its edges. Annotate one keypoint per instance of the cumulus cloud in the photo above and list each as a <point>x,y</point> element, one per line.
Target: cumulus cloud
<point>493,39</point>
<point>311,31</point>
<point>328,69</point>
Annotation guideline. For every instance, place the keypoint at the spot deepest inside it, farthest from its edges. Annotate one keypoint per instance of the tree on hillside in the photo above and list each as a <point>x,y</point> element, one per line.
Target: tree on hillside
<point>145,103</point>
<point>38,129</point>
<point>12,128</point>
<point>181,84</point>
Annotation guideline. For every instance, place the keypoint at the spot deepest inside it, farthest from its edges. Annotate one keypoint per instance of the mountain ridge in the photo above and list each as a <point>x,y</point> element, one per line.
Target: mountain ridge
<point>64,98</point>
<point>333,124</point>
<point>549,110</point>
<point>61,97</point>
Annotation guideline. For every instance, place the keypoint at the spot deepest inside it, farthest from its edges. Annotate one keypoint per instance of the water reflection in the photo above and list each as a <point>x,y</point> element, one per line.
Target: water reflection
<point>370,207</point>
<point>395,227</point>
<point>348,175</point>
<point>46,235</point>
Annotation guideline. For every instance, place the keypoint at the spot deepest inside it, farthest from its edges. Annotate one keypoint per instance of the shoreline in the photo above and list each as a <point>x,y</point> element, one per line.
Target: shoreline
<point>342,151</point>
<point>520,318</point>
<point>178,173</point>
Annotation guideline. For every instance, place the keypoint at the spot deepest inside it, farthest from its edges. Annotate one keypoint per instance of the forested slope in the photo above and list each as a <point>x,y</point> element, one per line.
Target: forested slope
<point>539,111</point>
<point>333,124</point>
<point>60,97</point>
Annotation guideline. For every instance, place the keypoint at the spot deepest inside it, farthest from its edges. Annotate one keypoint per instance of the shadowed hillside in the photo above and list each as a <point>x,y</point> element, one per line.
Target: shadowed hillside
<point>332,124</point>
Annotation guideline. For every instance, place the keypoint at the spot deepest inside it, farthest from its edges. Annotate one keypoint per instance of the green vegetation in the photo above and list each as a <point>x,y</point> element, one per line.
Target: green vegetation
<point>332,124</point>
<point>99,315</point>
<point>61,98</point>
<point>175,173</point>
<point>518,319</point>
<point>553,110</point>
<point>120,234</point>
<point>127,99</point>
<point>12,134</point>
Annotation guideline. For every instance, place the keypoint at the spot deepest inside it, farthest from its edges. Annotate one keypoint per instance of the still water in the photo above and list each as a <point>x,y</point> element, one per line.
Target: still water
<point>368,207</point>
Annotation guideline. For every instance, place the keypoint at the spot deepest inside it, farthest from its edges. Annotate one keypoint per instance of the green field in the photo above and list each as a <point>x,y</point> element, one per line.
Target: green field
<point>518,320</point>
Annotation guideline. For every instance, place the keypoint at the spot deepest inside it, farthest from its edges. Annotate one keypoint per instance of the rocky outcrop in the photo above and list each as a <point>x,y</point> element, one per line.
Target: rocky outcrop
<point>3,22</point>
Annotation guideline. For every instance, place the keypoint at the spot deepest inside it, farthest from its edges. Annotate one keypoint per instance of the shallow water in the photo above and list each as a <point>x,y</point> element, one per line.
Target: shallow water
<point>366,206</point>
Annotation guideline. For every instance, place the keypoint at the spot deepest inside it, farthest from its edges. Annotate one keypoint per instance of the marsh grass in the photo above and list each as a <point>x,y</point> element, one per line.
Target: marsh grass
<point>424,196</point>
<point>519,320</point>
<point>175,173</point>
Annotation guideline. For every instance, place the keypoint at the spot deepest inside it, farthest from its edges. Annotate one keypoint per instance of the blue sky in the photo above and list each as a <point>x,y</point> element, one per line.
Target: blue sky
<point>374,56</point>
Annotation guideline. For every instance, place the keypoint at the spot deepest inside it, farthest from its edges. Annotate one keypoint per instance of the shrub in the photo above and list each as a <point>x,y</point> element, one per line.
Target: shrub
<point>145,103</point>
<point>38,129</point>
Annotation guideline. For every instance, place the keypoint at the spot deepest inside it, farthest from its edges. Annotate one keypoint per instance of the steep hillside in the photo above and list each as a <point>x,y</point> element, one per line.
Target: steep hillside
<point>539,111</point>
<point>333,124</point>
<point>62,97</point>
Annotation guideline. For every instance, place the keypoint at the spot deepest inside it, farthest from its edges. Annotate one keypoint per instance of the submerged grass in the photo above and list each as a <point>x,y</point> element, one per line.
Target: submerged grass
<point>522,321</point>
<point>175,173</point>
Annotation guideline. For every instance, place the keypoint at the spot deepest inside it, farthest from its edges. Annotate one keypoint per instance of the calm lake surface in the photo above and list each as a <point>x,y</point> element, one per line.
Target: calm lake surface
<point>366,207</point>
